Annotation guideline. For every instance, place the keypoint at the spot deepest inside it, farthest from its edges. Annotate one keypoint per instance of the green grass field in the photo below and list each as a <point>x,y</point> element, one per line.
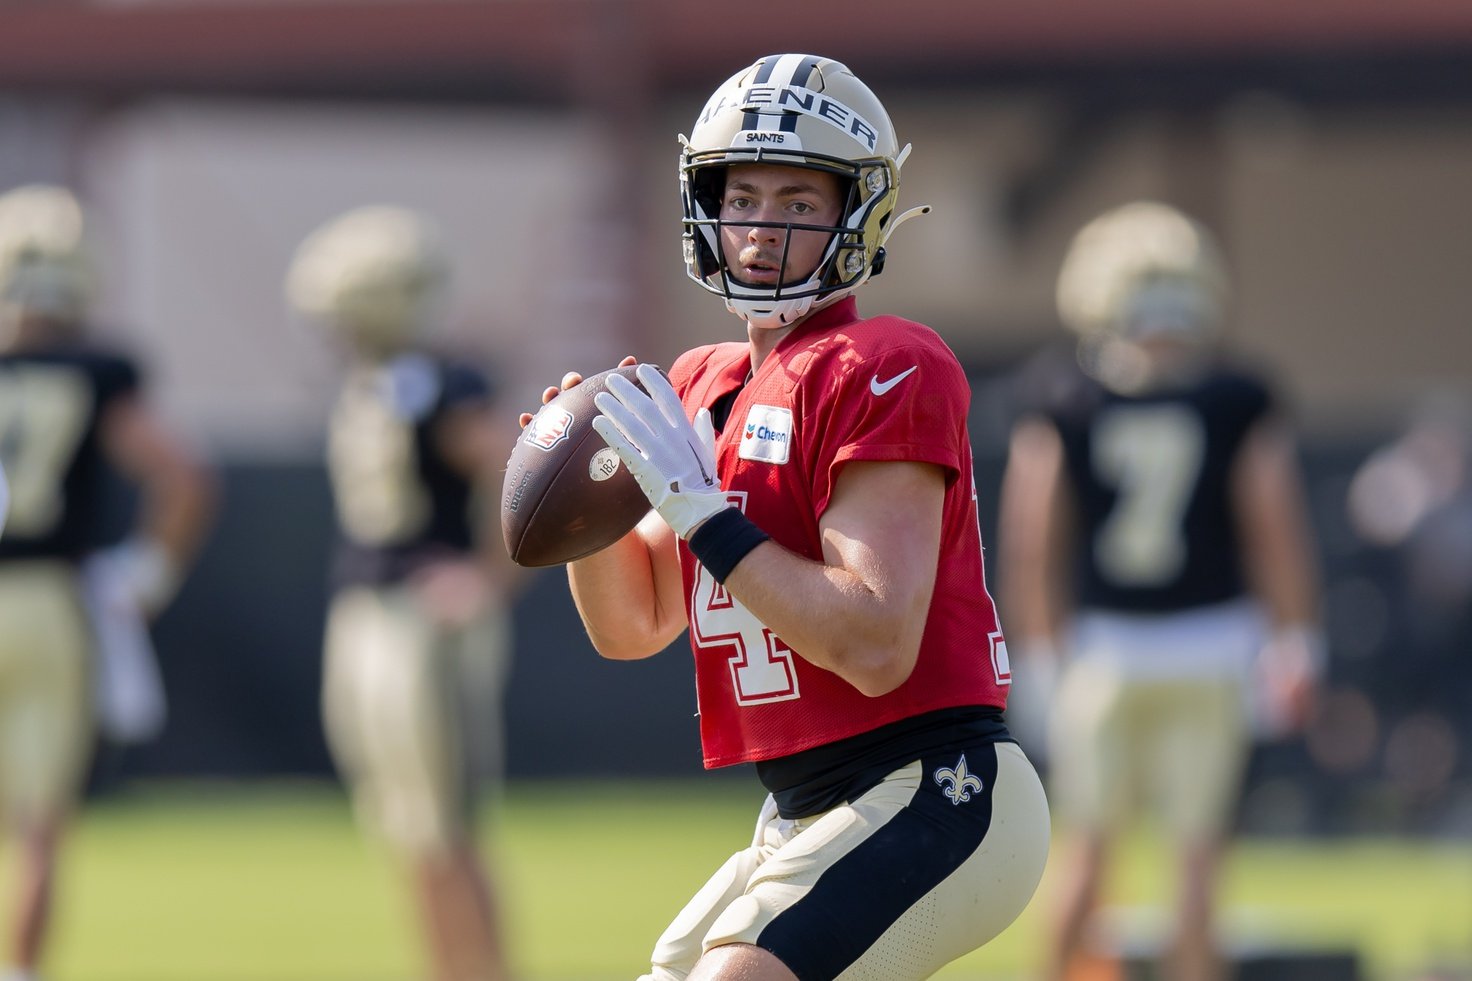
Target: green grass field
<point>271,883</point>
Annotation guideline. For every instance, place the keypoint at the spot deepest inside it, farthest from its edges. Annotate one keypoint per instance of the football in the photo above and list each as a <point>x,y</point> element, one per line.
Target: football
<point>566,493</point>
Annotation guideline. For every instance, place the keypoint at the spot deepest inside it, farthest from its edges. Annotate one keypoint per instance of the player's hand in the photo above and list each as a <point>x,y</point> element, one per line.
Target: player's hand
<point>1289,667</point>
<point>1037,669</point>
<point>673,460</point>
<point>568,381</point>
<point>453,592</point>
<point>138,575</point>
<point>4,499</point>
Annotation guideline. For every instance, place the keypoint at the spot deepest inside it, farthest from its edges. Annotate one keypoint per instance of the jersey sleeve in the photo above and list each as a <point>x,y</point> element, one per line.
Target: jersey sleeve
<point>682,373</point>
<point>1258,400</point>
<point>903,404</point>
<point>1049,386</point>
<point>115,377</point>
<point>1247,399</point>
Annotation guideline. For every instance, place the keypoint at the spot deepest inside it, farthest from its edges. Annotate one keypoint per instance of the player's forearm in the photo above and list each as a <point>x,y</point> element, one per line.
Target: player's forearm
<point>1029,606</point>
<point>1280,553</point>
<point>1285,580</point>
<point>1032,534</point>
<point>1029,566</point>
<point>179,503</point>
<point>618,594</point>
<point>866,634</point>
<point>1274,524</point>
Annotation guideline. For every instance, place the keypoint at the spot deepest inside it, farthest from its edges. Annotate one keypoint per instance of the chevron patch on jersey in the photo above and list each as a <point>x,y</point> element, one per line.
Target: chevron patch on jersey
<point>767,435</point>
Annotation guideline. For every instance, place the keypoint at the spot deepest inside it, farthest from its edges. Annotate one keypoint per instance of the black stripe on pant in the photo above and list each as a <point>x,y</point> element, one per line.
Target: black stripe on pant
<point>865,892</point>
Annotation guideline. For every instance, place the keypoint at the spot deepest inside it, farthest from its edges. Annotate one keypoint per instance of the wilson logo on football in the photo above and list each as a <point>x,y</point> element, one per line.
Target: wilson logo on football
<point>548,428</point>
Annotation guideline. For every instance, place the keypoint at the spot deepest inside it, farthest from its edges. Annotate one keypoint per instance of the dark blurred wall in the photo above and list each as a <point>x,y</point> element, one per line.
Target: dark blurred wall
<point>241,656</point>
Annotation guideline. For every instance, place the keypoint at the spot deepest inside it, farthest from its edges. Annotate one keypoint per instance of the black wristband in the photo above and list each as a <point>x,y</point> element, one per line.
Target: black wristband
<point>723,540</point>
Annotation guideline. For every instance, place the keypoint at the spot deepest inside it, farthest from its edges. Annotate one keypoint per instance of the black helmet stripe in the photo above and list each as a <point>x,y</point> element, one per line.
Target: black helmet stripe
<point>781,71</point>
<point>790,69</point>
<point>803,74</point>
<point>752,120</point>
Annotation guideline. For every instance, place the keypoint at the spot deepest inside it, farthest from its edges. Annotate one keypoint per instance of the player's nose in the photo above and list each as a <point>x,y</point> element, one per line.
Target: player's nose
<point>759,234</point>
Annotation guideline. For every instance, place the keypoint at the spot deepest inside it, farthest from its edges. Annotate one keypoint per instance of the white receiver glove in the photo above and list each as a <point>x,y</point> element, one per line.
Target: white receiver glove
<point>673,460</point>
<point>4,499</point>
<point>127,688</point>
<point>141,573</point>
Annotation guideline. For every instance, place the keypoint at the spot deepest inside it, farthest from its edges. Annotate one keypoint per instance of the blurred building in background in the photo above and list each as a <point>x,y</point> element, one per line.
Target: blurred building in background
<point>1328,141</point>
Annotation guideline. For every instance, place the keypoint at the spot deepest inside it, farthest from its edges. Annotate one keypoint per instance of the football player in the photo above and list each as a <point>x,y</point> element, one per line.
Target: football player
<point>1152,511</point>
<point>71,410</point>
<point>418,634</point>
<point>815,529</point>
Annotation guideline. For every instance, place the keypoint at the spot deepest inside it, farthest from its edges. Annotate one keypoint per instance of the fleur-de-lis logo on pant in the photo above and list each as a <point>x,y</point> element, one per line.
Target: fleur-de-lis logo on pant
<point>958,784</point>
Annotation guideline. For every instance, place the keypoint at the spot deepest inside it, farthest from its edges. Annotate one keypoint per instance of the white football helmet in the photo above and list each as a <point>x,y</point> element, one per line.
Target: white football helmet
<point>45,264</point>
<point>1143,269</point>
<point>378,274</point>
<point>800,111</point>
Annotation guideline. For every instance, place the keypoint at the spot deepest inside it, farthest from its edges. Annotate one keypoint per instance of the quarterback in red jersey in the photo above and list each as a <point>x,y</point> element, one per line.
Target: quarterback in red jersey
<point>815,529</point>
<point>841,391</point>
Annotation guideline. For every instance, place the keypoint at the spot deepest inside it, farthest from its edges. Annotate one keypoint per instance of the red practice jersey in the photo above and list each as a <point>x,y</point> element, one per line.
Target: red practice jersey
<point>836,389</point>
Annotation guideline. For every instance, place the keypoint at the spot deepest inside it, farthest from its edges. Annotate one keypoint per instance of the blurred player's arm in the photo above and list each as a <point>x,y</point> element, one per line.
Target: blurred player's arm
<point>178,495</point>
<point>474,440</point>
<point>1277,547</point>
<point>1033,532</point>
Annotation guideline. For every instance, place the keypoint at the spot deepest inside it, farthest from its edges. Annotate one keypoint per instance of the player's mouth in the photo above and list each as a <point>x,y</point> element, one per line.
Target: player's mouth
<point>759,269</point>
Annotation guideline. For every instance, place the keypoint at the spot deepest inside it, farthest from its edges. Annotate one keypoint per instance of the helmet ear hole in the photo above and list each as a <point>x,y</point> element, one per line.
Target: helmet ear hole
<point>706,263</point>
<point>710,186</point>
<point>707,188</point>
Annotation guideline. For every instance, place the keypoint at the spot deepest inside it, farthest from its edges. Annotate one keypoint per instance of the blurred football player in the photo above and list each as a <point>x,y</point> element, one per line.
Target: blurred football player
<point>71,411</point>
<point>1152,512</point>
<point>418,635</point>
<point>815,528</point>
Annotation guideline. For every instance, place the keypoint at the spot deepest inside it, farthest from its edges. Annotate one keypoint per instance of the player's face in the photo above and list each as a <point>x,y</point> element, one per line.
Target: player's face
<point>772,193</point>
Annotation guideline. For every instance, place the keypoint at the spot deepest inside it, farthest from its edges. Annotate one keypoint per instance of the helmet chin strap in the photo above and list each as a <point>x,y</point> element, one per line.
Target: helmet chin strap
<point>766,315</point>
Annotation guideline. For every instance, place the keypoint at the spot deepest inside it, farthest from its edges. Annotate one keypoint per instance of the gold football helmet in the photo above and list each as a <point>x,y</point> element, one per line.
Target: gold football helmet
<point>378,274</point>
<point>1143,269</point>
<point>45,265</point>
<point>800,111</point>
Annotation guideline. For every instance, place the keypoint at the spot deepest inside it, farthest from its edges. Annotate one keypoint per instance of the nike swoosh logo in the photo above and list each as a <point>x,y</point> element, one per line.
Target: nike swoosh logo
<point>880,387</point>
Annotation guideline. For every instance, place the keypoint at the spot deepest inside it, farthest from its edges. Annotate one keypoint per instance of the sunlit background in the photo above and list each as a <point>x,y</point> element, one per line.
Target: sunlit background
<point>1329,142</point>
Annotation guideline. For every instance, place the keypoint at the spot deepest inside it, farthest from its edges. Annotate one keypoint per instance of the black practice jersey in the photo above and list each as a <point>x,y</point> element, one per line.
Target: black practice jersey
<point>51,403</point>
<point>1151,477</point>
<point>399,502</point>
